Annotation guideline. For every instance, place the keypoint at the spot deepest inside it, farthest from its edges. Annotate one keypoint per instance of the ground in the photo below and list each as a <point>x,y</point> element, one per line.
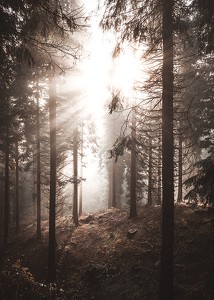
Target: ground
<point>110,257</point>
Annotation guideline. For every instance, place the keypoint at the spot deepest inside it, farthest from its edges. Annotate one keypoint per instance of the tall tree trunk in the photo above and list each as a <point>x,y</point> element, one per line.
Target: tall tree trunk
<point>80,191</point>
<point>159,175</point>
<point>112,175</point>
<point>52,205</point>
<point>34,186</point>
<point>119,180</point>
<point>114,200</point>
<point>75,175</point>
<point>17,185</point>
<point>80,199</point>
<point>166,266</point>
<point>6,181</point>
<point>180,171</point>
<point>38,172</point>
<point>150,181</point>
<point>81,174</point>
<point>133,200</point>
<point>1,202</point>
<point>110,185</point>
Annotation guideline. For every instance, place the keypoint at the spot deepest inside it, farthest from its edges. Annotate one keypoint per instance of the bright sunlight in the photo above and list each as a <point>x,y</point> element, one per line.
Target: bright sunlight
<point>105,68</point>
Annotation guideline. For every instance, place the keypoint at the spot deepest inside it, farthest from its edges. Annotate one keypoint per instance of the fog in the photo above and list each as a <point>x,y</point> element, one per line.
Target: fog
<point>90,86</point>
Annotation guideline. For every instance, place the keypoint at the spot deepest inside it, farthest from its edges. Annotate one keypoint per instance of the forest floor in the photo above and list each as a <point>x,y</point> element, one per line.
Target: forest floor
<point>110,257</point>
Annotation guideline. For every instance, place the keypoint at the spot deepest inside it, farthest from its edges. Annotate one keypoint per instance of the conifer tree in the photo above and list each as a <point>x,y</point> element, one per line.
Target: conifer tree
<point>166,265</point>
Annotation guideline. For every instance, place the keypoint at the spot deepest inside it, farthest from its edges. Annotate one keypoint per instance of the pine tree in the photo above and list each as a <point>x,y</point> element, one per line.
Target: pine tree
<point>75,176</point>
<point>17,204</point>
<point>133,191</point>
<point>52,208</point>
<point>166,267</point>
<point>38,168</point>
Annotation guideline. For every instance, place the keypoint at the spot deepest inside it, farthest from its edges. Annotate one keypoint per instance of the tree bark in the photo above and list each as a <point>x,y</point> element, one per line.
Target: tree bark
<point>133,200</point>
<point>81,174</point>
<point>159,175</point>
<point>34,185</point>
<point>38,172</point>
<point>150,182</point>
<point>80,192</point>
<point>52,205</point>
<point>180,171</point>
<point>17,185</point>
<point>114,200</point>
<point>6,181</point>
<point>166,290</point>
<point>75,176</point>
<point>80,199</point>
<point>110,185</point>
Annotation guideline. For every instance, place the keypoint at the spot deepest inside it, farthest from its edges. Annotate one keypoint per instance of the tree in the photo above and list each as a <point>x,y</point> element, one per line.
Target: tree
<point>200,111</point>
<point>180,169</point>
<point>38,169</point>
<point>202,183</point>
<point>52,208</point>
<point>159,175</point>
<point>75,176</point>
<point>17,185</point>
<point>150,179</point>
<point>133,197</point>
<point>205,21</point>
<point>114,165</point>
<point>6,177</point>
<point>166,265</point>
<point>81,173</point>
<point>113,184</point>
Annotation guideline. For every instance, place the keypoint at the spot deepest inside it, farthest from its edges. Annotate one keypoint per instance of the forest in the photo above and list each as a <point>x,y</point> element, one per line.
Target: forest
<point>106,149</point>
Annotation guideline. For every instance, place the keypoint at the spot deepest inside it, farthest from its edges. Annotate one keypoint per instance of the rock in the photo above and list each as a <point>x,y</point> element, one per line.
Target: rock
<point>88,219</point>
<point>131,232</point>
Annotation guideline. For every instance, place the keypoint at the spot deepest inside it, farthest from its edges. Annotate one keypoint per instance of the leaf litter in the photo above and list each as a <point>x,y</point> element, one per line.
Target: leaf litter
<point>109,256</point>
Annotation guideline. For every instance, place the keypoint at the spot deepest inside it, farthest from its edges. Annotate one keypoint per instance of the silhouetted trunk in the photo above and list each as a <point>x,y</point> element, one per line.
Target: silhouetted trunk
<point>81,175</point>
<point>6,180</point>
<point>110,185</point>
<point>119,180</point>
<point>38,172</point>
<point>159,176</point>
<point>80,192</point>
<point>34,185</point>
<point>17,185</point>
<point>80,199</point>
<point>180,177</point>
<point>75,176</point>
<point>1,202</point>
<point>150,181</point>
<point>166,265</point>
<point>52,205</point>
<point>133,200</point>
<point>114,200</point>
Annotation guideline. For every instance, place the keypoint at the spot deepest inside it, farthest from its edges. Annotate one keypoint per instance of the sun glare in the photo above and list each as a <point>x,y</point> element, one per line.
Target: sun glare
<point>125,71</point>
<point>95,71</point>
<point>99,72</point>
<point>96,76</point>
<point>102,73</point>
